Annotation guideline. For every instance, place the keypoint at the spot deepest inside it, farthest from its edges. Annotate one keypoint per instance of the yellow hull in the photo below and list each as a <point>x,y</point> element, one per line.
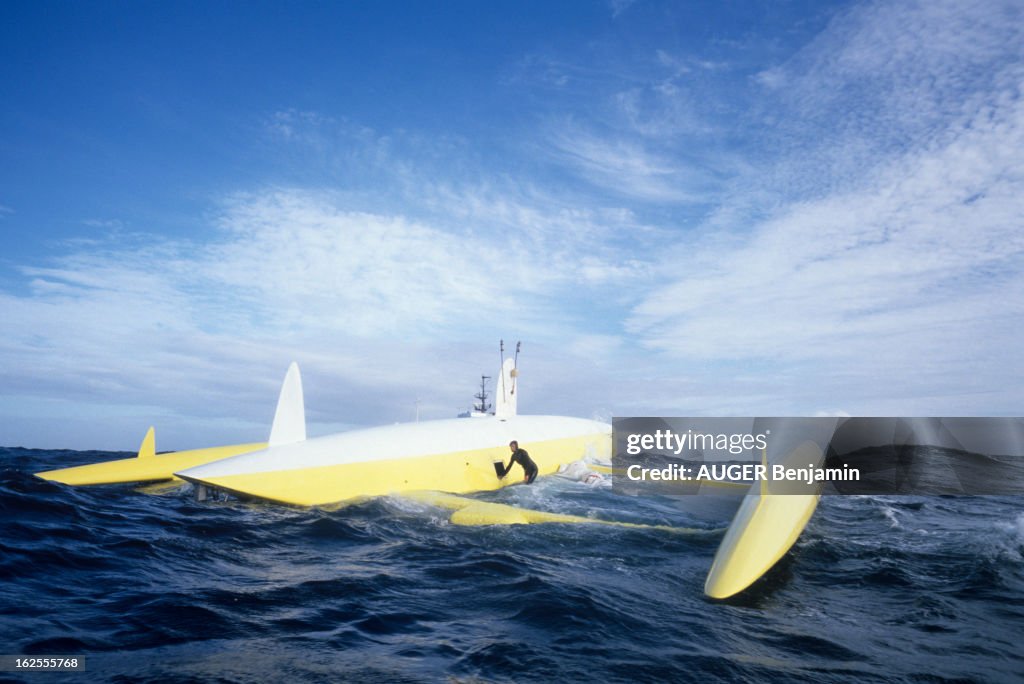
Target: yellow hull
<point>472,512</point>
<point>145,468</point>
<point>456,472</point>
<point>765,527</point>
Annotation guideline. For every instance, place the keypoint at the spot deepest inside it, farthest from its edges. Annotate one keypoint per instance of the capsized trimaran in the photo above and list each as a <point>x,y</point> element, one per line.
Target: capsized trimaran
<point>432,462</point>
<point>455,456</point>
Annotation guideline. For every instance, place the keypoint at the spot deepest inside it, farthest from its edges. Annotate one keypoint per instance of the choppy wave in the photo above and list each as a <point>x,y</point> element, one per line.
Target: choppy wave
<point>161,588</point>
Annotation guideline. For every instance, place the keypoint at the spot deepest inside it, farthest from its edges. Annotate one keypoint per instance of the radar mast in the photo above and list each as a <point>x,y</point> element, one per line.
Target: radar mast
<point>483,406</point>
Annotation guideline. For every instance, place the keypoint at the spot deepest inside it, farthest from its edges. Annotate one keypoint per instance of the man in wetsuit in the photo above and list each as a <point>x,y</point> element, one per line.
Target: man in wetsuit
<point>522,458</point>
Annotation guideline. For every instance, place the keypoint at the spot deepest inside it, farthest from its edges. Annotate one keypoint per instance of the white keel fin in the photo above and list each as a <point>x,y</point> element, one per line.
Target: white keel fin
<point>508,391</point>
<point>290,418</point>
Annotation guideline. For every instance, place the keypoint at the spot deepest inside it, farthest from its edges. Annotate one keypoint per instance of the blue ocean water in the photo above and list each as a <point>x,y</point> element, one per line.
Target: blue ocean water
<point>162,588</point>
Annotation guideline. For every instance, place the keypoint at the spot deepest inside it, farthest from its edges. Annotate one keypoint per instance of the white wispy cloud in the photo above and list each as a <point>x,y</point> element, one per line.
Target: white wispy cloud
<point>842,234</point>
<point>627,169</point>
<point>112,225</point>
<point>380,308</point>
<point>886,79</point>
<point>890,270</point>
<point>620,6</point>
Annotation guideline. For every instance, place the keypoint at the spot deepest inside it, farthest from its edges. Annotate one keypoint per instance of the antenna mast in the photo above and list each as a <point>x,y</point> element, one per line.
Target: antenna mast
<point>483,406</point>
<point>515,367</point>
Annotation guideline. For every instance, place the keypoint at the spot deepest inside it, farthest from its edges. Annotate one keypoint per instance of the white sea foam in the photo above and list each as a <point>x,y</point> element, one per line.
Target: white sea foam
<point>1011,544</point>
<point>890,515</point>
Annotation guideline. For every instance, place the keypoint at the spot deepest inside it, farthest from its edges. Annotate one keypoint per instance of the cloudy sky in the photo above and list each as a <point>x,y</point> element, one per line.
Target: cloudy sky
<point>699,208</point>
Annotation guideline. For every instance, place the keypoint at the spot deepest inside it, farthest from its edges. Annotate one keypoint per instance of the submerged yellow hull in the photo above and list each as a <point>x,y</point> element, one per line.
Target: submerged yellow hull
<point>471,512</point>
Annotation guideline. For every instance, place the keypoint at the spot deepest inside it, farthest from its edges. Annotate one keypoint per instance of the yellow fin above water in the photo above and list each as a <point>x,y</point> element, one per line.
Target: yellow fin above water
<point>148,447</point>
